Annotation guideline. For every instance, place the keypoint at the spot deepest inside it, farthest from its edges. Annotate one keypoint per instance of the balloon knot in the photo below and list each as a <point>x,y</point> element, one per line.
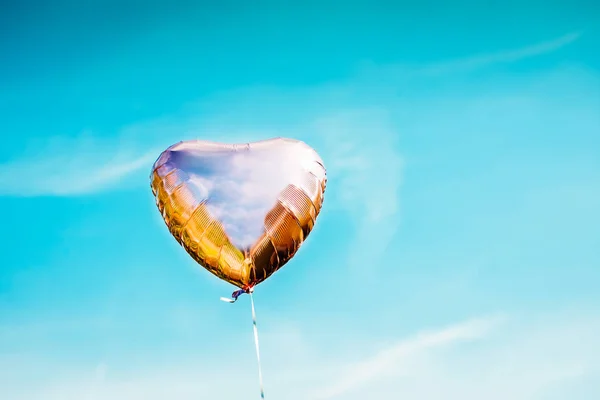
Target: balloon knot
<point>248,289</point>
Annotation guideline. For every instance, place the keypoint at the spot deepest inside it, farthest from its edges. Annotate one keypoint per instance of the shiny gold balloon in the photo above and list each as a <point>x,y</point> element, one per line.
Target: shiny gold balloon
<point>240,210</point>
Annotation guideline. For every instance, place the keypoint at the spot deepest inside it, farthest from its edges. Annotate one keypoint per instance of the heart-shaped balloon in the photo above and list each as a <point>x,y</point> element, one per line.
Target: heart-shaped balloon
<point>240,210</point>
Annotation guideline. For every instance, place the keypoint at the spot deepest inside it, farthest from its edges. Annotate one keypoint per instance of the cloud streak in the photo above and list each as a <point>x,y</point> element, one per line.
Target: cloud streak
<point>523,357</point>
<point>474,62</point>
<point>368,173</point>
<point>400,354</point>
<point>501,57</point>
<point>72,167</point>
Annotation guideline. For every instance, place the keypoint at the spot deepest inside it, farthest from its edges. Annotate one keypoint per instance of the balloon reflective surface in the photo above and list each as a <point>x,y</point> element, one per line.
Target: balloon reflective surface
<point>240,210</point>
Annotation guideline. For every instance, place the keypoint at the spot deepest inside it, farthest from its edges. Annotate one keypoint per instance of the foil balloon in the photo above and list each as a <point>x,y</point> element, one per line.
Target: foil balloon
<point>240,210</point>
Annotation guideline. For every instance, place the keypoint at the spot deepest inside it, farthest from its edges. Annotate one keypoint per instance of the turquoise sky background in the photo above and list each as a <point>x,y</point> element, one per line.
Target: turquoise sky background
<point>457,253</point>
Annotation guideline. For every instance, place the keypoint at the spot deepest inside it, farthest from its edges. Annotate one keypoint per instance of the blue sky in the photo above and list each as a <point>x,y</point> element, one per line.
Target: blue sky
<point>456,255</point>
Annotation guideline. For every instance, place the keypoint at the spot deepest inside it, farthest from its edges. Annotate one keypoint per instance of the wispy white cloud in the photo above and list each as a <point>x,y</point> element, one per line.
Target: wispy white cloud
<point>505,56</point>
<point>72,166</point>
<point>362,146</point>
<point>472,62</point>
<point>399,355</point>
<point>522,358</point>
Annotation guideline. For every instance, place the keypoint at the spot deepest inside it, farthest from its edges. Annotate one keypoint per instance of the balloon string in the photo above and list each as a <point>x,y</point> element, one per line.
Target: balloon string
<point>262,391</point>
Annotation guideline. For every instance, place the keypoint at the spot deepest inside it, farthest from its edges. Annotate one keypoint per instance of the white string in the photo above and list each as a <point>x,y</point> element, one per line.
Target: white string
<point>262,391</point>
